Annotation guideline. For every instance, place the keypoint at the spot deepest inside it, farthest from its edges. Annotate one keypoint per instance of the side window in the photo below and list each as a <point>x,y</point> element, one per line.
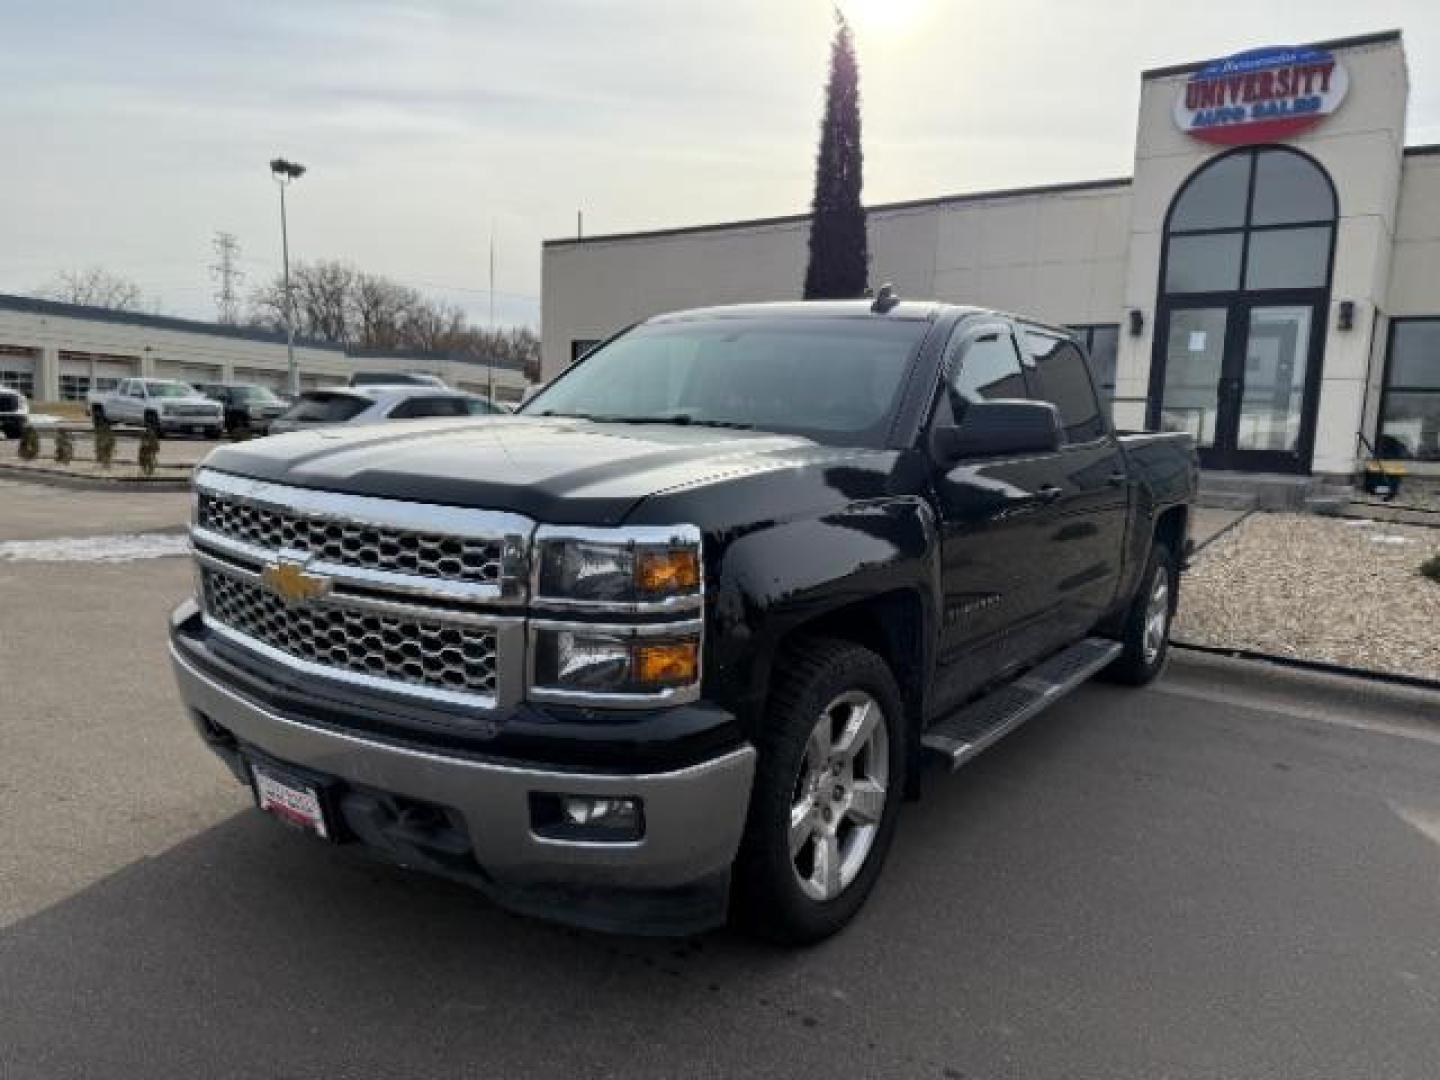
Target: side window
<point>418,408</point>
<point>137,388</point>
<point>1062,380</point>
<point>988,368</point>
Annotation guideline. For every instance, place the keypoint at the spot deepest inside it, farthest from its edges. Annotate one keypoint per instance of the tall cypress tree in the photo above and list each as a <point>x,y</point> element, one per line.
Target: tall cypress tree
<point>839,255</point>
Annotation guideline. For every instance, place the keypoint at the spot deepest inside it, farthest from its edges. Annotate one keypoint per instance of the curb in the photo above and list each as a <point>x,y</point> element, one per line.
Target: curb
<point>1317,667</point>
<point>1303,690</point>
<point>56,478</point>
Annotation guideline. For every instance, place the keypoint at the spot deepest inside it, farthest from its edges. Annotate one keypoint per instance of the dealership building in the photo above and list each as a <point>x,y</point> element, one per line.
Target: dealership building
<point>60,352</point>
<point>1268,278</point>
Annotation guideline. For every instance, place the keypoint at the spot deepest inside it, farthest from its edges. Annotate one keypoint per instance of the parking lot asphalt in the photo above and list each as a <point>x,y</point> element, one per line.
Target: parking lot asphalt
<point>30,511</point>
<point>1224,875</point>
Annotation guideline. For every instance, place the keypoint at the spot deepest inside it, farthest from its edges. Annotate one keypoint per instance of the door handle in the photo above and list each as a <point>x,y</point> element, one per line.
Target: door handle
<point>1048,493</point>
<point>1116,479</point>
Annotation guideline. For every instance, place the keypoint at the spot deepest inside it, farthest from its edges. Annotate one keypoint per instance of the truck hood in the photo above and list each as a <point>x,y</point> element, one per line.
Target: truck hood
<point>554,470</point>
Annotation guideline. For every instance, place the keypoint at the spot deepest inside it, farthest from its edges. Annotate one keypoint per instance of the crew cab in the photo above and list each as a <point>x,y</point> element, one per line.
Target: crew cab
<point>164,406</point>
<point>676,640</point>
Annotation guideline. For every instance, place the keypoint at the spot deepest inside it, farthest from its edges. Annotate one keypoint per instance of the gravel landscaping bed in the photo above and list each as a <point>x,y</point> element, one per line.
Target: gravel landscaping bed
<point>1313,588</point>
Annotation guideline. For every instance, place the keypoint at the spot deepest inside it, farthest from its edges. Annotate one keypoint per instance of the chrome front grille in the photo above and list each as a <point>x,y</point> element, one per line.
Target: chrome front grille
<point>405,598</point>
<point>409,650</point>
<point>350,543</point>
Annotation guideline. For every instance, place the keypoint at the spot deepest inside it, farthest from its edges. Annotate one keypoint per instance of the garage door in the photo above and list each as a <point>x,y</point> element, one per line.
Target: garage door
<point>320,382</point>
<point>200,373</point>
<point>275,380</point>
<point>17,368</point>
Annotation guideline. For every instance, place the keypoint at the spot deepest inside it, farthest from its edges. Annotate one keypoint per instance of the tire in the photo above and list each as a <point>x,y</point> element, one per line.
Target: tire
<point>834,679</point>
<point>1146,644</point>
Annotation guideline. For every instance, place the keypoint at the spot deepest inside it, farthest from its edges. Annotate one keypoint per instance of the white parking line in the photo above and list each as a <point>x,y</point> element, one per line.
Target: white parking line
<point>121,548</point>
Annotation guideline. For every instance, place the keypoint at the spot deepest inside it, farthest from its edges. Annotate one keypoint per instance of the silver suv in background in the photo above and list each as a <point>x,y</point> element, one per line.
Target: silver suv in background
<point>371,405</point>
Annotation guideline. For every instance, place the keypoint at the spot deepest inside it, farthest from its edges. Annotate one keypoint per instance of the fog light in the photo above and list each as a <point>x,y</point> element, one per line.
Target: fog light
<point>586,817</point>
<point>602,813</point>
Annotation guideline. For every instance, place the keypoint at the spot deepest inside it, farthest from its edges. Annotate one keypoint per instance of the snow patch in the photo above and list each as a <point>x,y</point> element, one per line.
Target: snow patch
<point>124,548</point>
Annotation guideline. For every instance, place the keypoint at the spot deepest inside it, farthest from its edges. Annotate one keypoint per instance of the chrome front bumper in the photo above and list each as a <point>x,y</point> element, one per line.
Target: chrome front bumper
<point>694,816</point>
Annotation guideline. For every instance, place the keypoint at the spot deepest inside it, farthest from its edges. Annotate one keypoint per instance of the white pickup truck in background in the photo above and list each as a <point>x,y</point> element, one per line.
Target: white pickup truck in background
<point>162,405</point>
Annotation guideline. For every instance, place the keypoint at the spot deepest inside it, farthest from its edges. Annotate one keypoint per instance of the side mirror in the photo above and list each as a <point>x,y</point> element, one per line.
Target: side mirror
<point>996,428</point>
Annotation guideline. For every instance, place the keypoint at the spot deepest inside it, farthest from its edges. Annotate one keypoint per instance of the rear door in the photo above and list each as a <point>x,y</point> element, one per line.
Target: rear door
<point>993,514</point>
<point>1084,541</point>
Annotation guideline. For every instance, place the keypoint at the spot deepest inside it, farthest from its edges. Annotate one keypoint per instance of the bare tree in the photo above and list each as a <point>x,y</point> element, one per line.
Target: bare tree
<point>94,287</point>
<point>339,304</point>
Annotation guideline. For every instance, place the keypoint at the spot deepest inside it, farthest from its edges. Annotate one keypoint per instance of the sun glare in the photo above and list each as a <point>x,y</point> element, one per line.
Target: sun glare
<point>881,16</point>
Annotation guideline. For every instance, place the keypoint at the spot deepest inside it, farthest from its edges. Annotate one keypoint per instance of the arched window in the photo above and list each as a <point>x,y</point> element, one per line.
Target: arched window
<point>1252,220</point>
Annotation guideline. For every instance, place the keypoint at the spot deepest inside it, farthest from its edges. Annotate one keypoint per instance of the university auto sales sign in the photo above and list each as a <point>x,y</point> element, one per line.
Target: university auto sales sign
<point>1261,95</point>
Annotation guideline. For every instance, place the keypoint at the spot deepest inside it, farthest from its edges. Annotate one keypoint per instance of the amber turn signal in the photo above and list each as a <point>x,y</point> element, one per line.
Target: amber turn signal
<point>671,664</point>
<point>667,573</point>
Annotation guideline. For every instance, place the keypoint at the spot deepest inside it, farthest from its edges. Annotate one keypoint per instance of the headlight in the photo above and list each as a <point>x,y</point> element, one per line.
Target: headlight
<point>599,661</point>
<point>619,568</point>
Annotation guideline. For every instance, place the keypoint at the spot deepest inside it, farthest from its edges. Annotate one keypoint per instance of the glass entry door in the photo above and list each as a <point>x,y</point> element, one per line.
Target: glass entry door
<point>1240,377</point>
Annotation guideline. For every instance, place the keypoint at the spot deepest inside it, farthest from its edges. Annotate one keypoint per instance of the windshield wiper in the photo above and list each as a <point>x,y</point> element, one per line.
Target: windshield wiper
<point>681,419</point>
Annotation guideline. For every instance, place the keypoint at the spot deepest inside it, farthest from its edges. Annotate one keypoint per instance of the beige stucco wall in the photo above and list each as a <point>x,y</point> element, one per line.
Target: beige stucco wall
<point>1415,260</point>
<point>1054,254</point>
<point>1360,145</point>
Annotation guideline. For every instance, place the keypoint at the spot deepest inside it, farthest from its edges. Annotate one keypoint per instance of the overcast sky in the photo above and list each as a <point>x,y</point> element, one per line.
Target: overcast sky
<point>134,131</point>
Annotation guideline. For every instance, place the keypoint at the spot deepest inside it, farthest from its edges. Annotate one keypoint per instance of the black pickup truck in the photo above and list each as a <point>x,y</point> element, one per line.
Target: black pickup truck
<point>678,638</point>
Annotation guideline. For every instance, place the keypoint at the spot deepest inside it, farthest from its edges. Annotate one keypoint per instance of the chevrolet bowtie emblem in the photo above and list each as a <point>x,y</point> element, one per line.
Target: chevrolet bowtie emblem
<point>288,580</point>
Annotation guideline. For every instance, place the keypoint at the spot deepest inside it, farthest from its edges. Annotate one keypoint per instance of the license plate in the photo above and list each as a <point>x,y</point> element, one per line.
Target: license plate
<point>197,429</point>
<point>293,803</point>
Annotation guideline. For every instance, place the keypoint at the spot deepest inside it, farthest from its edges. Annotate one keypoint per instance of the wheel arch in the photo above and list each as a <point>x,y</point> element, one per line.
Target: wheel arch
<point>896,625</point>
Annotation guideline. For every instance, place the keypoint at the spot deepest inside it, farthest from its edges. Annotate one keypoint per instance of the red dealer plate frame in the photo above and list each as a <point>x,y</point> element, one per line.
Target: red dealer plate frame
<point>295,803</point>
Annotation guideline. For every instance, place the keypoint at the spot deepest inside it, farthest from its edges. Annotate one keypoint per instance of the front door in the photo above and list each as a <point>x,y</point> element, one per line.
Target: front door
<point>995,513</point>
<point>1241,377</point>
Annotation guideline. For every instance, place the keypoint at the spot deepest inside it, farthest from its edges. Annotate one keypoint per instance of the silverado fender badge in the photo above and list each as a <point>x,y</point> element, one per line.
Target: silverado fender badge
<point>289,580</point>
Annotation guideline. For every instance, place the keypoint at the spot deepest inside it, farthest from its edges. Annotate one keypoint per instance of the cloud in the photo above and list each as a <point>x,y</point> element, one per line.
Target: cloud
<point>142,128</point>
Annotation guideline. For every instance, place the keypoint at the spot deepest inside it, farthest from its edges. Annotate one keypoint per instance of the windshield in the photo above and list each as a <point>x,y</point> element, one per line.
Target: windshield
<point>836,379</point>
<point>159,389</point>
<point>321,406</point>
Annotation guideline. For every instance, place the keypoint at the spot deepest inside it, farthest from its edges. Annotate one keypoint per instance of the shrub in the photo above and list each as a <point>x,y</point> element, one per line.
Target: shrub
<point>104,444</point>
<point>29,448</point>
<point>64,447</point>
<point>149,452</point>
<point>1431,568</point>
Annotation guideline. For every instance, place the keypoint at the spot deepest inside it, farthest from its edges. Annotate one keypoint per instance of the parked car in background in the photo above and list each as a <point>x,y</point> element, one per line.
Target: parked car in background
<point>164,406</point>
<point>395,378</point>
<point>684,629</point>
<point>370,405</point>
<point>14,413</point>
<point>248,406</point>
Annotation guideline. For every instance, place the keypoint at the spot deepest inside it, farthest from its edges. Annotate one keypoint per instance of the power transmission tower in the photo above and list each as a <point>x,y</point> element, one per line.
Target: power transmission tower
<point>228,276</point>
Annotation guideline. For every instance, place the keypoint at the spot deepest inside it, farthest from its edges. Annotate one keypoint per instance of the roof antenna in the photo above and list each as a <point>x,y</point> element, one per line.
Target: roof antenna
<point>885,299</point>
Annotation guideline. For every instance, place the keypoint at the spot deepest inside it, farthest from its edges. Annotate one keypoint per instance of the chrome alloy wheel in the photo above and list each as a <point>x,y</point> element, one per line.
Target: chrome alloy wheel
<point>839,796</point>
<point>1157,615</point>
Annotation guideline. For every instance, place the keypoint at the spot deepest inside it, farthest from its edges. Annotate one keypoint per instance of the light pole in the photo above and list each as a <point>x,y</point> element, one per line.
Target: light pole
<point>284,172</point>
